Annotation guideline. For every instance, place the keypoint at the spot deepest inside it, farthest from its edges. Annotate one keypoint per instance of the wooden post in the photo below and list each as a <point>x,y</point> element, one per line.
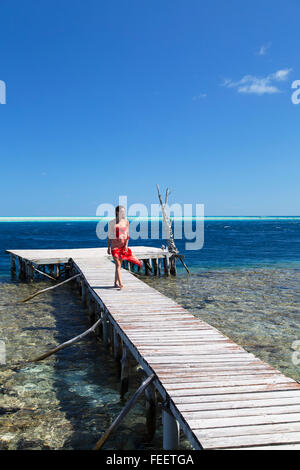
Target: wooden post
<point>105,329</point>
<point>124,371</point>
<point>67,270</point>
<point>159,266</point>
<point>51,270</point>
<point>146,267</point>
<point>83,292</point>
<point>166,265</point>
<point>60,270</point>
<point>97,315</point>
<point>21,268</point>
<point>56,270</point>
<point>78,284</point>
<point>117,346</point>
<point>13,268</point>
<point>170,431</point>
<point>111,334</point>
<point>90,306</point>
<point>154,264</point>
<point>173,265</point>
<point>29,271</point>
<point>151,410</point>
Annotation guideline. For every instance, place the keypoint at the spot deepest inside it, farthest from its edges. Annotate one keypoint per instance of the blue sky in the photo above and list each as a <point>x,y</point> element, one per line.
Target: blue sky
<point>111,97</point>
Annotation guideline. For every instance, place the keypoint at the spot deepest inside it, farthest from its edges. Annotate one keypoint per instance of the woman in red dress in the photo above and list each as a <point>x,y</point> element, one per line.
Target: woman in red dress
<point>117,243</point>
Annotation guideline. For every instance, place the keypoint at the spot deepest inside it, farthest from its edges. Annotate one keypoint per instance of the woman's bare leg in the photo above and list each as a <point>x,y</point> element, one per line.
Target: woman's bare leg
<point>118,276</point>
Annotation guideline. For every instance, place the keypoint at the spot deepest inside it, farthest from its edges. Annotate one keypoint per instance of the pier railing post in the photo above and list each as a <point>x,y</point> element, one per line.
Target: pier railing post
<point>171,431</point>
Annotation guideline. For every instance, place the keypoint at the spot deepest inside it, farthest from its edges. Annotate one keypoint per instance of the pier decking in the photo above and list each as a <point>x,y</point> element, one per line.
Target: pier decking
<point>221,396</point>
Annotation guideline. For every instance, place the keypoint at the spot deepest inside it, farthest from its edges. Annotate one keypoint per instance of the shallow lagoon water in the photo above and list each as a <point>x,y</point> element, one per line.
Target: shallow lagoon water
<point>245,282</point>
<point>70,399</point>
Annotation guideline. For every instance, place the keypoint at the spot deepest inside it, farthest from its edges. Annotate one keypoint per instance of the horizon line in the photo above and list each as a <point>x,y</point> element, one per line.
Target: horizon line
<point>106,218</point>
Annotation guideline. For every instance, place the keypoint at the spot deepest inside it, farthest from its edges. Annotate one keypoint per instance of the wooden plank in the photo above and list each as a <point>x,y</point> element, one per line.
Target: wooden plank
<point>234,389</point>
<point>246,441</point>
<point>205,423</point>
<point>257,410</point>
<point>244,396</point>
<point>248,430</point>
<point>227,382</point>
<point>272,447</point>
<point>235,404</point>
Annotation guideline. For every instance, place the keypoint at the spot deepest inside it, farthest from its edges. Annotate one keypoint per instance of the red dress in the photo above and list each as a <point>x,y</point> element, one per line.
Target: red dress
<point>119,252</point>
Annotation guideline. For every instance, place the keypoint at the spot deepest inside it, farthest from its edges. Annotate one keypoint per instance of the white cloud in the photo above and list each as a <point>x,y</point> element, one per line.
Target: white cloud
<point>199,97</point>
<point>259,86</point>
<point>280,75</point>
<point>263,49</point>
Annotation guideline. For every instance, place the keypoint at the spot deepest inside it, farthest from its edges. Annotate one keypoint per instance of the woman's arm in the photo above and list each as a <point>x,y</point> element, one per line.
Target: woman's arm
<point>109,236</point>
<point>127,239</point>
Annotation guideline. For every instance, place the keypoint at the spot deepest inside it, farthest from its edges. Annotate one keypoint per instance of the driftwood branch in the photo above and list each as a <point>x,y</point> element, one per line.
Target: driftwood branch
<point>124,412</point>
<point>168,222</point>
<point>44,274</point>
<point>180,257</point>
<point>50,288</point>
<point>67,343</point>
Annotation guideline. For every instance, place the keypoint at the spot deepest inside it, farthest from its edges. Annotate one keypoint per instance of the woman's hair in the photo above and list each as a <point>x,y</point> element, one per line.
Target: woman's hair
<point>118,208</point>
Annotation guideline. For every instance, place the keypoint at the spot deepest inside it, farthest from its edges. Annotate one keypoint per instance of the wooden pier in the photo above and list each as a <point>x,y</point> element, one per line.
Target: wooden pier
<point>218,394</point>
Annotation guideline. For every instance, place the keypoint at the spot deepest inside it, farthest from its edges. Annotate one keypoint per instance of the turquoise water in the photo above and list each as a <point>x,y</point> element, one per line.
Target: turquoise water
<point>245,281</point>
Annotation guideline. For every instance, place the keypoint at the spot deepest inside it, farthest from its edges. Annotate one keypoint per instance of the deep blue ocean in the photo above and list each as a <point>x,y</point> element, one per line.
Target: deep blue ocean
<point>227,243</point>
<point>245,281</point>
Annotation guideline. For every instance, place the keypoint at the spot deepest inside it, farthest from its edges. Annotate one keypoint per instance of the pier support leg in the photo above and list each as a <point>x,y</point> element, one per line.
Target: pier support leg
<point>117,346</point>
<point>13,268</point>
<point>83,292</point>
<point>154,264</point>
<point>51,270</point>
<point>146,267</point>
<point>124,371</point>
<point>151,411</point>
<point>56,271</point>
<point>67,270</point>
<point>91,307</point>
<point>170,431</point>
<point>111,335</point>
<point>159,266</point>
<point>173,265</point>
<point>29,271</point>
<point>166,265</point>
<point>21,269</point>
<point>105,329</point>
